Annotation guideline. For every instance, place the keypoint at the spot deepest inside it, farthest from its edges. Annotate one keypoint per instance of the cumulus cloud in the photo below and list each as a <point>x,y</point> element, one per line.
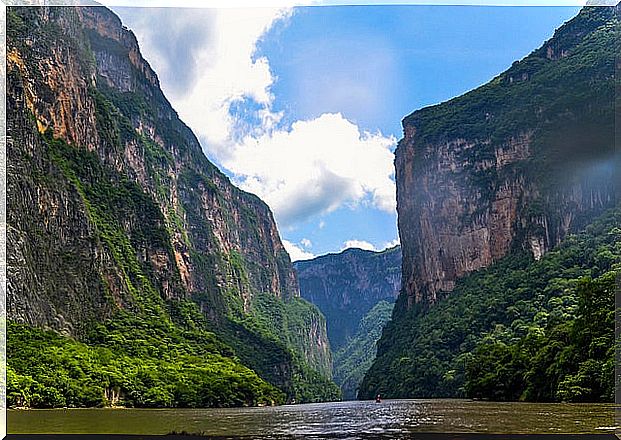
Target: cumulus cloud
<point>206,63</point>
<point>223,92</point>
<point>296,252</point>
<point>306,243</point>
<point>170,39</point>
<point>362,244</point>
<point>315,167</point>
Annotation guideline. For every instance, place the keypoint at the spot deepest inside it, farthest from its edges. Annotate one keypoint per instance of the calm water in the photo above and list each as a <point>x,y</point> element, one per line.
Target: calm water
<point>390,418</point>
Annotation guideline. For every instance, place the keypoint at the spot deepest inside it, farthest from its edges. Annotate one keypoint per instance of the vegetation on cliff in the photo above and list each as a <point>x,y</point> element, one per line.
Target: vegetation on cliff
<point>153,352</point>
<point>165,283</point>
<point>518,330</point>
<point>499,298</point>
<point>353,360</point>
<point>519,162</point>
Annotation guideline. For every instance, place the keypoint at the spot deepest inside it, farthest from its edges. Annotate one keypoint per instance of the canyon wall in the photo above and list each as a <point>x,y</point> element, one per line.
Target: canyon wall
<point>515,164</point>
<point>113,206</point>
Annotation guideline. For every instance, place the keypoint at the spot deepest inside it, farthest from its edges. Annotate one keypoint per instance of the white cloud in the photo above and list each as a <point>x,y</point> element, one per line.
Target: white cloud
<point>306,243</point>
<point>362,244</point>
<point>322,224</point>
<point>391,244</point>
<point>358,244</point>
<point>207,62</point>
<point>231,74</point>
<point>296,252</point>
<point>316,167</point>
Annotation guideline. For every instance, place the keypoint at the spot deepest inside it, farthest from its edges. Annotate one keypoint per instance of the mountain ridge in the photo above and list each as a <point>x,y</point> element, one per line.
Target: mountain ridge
<point>355,289</point>
<point>346,285</point>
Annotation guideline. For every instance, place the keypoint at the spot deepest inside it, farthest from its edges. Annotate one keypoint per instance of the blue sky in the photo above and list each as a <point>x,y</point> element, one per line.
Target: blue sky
<point>303,106</point>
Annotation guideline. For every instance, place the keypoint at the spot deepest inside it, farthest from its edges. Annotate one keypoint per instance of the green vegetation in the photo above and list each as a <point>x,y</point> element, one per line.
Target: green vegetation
<point>46,370</point>
<point>353,360</point>
<point>523,329</point>
<point>151,352</point>
<point>570,361</point>
<point>560,97</point>
<point>533,92</point>
<point>517,330</point>
<point>288,326</point>
<point>355,290</point>
<point>126,219</point>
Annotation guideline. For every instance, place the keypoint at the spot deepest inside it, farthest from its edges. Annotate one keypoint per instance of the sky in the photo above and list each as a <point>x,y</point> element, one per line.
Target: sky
<point>303,106</point>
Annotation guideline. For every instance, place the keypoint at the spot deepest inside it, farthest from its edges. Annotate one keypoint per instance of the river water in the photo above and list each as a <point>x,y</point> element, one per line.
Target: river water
<point>389,418</point>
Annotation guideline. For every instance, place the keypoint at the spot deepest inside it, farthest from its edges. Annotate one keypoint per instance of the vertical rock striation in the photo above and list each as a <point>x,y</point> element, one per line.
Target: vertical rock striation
<point>112,203</point>
<point>516,163</point>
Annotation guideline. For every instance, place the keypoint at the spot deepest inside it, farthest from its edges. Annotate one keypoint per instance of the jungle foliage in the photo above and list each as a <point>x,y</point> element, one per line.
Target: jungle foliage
<point>518,330</point>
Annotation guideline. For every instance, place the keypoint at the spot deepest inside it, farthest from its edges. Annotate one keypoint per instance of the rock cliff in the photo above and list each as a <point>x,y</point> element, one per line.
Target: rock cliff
<point>112,205</point>
<point>488,185</point>
<point>515,164</point>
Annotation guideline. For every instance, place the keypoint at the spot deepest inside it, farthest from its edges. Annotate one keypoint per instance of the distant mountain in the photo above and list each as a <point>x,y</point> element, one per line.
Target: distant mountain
<point>154,271</point>
<point>347,285</point>
<point>355,290</point>
<point>489,184</point>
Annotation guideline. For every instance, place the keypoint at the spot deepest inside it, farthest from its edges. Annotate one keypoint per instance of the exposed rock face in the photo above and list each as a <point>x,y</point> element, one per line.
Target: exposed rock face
<point>517,163</point>
<point>347,285</point>
<point>111,199</point>
<point>505,170</point>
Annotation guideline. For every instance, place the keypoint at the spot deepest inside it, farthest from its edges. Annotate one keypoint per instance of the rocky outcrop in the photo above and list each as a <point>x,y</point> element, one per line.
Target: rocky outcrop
<point>347,285</point>
<point>112,203</point>
<point>515,164</point>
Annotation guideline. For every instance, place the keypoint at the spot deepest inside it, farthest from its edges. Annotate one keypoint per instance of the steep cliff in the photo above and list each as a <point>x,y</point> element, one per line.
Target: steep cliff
<point>488,184</point>
<point>347,285</point>
<point>114,208</point>
<point>520,329</point>
<point>515,164</point>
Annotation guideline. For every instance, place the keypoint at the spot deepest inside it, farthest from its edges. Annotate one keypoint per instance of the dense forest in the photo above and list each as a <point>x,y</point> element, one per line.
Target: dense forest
<point>355,358</point>
<point>520,329</point>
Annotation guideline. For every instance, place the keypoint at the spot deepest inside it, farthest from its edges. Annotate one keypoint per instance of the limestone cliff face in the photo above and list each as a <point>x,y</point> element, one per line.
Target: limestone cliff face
<point>517,163</point>
<point>110,197</point>
<point>347,285</point>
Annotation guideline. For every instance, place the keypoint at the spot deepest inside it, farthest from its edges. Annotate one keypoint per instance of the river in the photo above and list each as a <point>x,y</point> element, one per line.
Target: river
<point>391,417</point>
